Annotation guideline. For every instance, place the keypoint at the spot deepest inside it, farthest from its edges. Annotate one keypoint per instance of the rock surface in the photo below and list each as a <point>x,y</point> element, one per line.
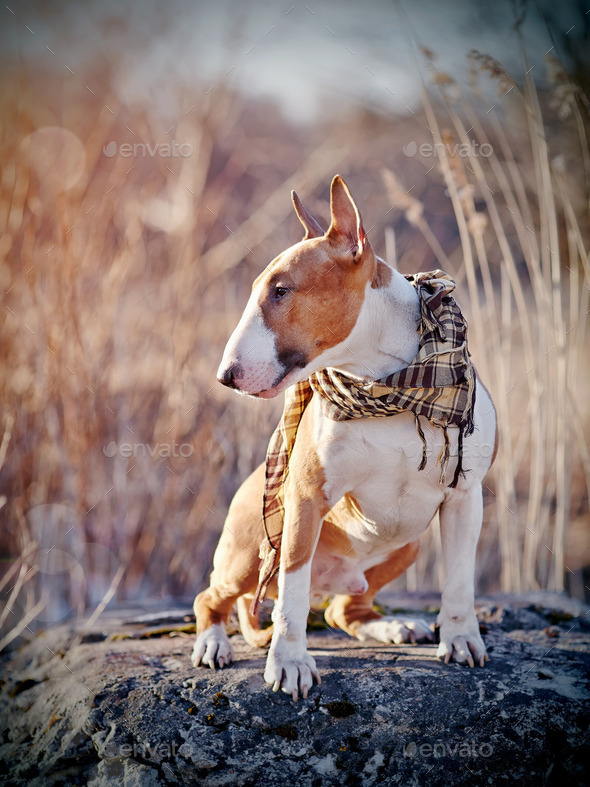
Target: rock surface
<point>119,703</point>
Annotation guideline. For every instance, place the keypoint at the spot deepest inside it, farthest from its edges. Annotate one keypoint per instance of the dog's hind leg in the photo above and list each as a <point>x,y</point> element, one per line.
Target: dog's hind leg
<point>250,624</point>
<point>356,616</point>
<point>235,574</point>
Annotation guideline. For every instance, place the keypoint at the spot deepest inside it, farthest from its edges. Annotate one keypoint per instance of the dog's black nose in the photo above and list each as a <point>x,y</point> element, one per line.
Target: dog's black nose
<point>228,376</point>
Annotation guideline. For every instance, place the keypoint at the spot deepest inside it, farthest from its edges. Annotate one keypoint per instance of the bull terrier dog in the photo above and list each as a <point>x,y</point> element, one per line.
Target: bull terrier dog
<point>385,425</point>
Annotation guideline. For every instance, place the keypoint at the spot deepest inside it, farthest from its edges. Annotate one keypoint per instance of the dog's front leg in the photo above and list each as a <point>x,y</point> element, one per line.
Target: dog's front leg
<point>460,521</point>
<point>289,666</point>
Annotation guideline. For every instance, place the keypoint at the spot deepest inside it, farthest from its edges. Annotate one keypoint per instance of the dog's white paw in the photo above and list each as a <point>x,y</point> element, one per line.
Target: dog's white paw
<point>460,641</point>
<point>396,630</point>
<point>212,648</point>
<point>291,669</point>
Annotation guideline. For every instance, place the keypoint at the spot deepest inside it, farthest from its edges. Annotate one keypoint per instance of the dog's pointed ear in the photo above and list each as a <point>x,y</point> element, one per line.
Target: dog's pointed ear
<point>310,225</point>
<point>346,225</point>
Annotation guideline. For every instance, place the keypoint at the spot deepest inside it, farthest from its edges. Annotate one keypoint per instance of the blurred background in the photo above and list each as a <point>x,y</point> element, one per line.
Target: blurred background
<point>148,151</point>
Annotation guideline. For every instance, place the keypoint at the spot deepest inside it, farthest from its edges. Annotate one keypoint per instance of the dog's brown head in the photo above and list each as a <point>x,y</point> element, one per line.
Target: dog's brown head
<point>305,304</point>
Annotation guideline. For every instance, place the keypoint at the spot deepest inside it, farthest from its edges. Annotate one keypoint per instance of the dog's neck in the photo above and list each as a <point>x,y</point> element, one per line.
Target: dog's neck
<point>385,337</point>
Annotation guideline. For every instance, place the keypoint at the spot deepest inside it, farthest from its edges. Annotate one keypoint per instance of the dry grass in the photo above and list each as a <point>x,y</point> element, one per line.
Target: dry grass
<point>526,264</point>
<point>123,278</point>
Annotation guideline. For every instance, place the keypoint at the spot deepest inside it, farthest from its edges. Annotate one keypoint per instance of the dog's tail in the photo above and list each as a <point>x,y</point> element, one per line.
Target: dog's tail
<point>250,625</point>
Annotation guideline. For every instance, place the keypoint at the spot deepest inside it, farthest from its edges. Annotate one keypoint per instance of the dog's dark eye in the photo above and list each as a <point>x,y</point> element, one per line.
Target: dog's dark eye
<point>280,292</point>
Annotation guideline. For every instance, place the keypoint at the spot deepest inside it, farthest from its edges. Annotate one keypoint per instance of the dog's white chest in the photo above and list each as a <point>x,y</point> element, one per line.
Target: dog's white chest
<point>376,460</point>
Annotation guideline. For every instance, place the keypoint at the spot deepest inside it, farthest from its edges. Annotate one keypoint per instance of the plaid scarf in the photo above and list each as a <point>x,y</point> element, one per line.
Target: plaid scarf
<point>439,384</point>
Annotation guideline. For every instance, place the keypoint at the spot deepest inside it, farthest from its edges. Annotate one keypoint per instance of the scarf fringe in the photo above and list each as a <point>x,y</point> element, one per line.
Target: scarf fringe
<point>269,565</point>
<point>445,453</point>
<point>422,464</point>
<point>459,469</point>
